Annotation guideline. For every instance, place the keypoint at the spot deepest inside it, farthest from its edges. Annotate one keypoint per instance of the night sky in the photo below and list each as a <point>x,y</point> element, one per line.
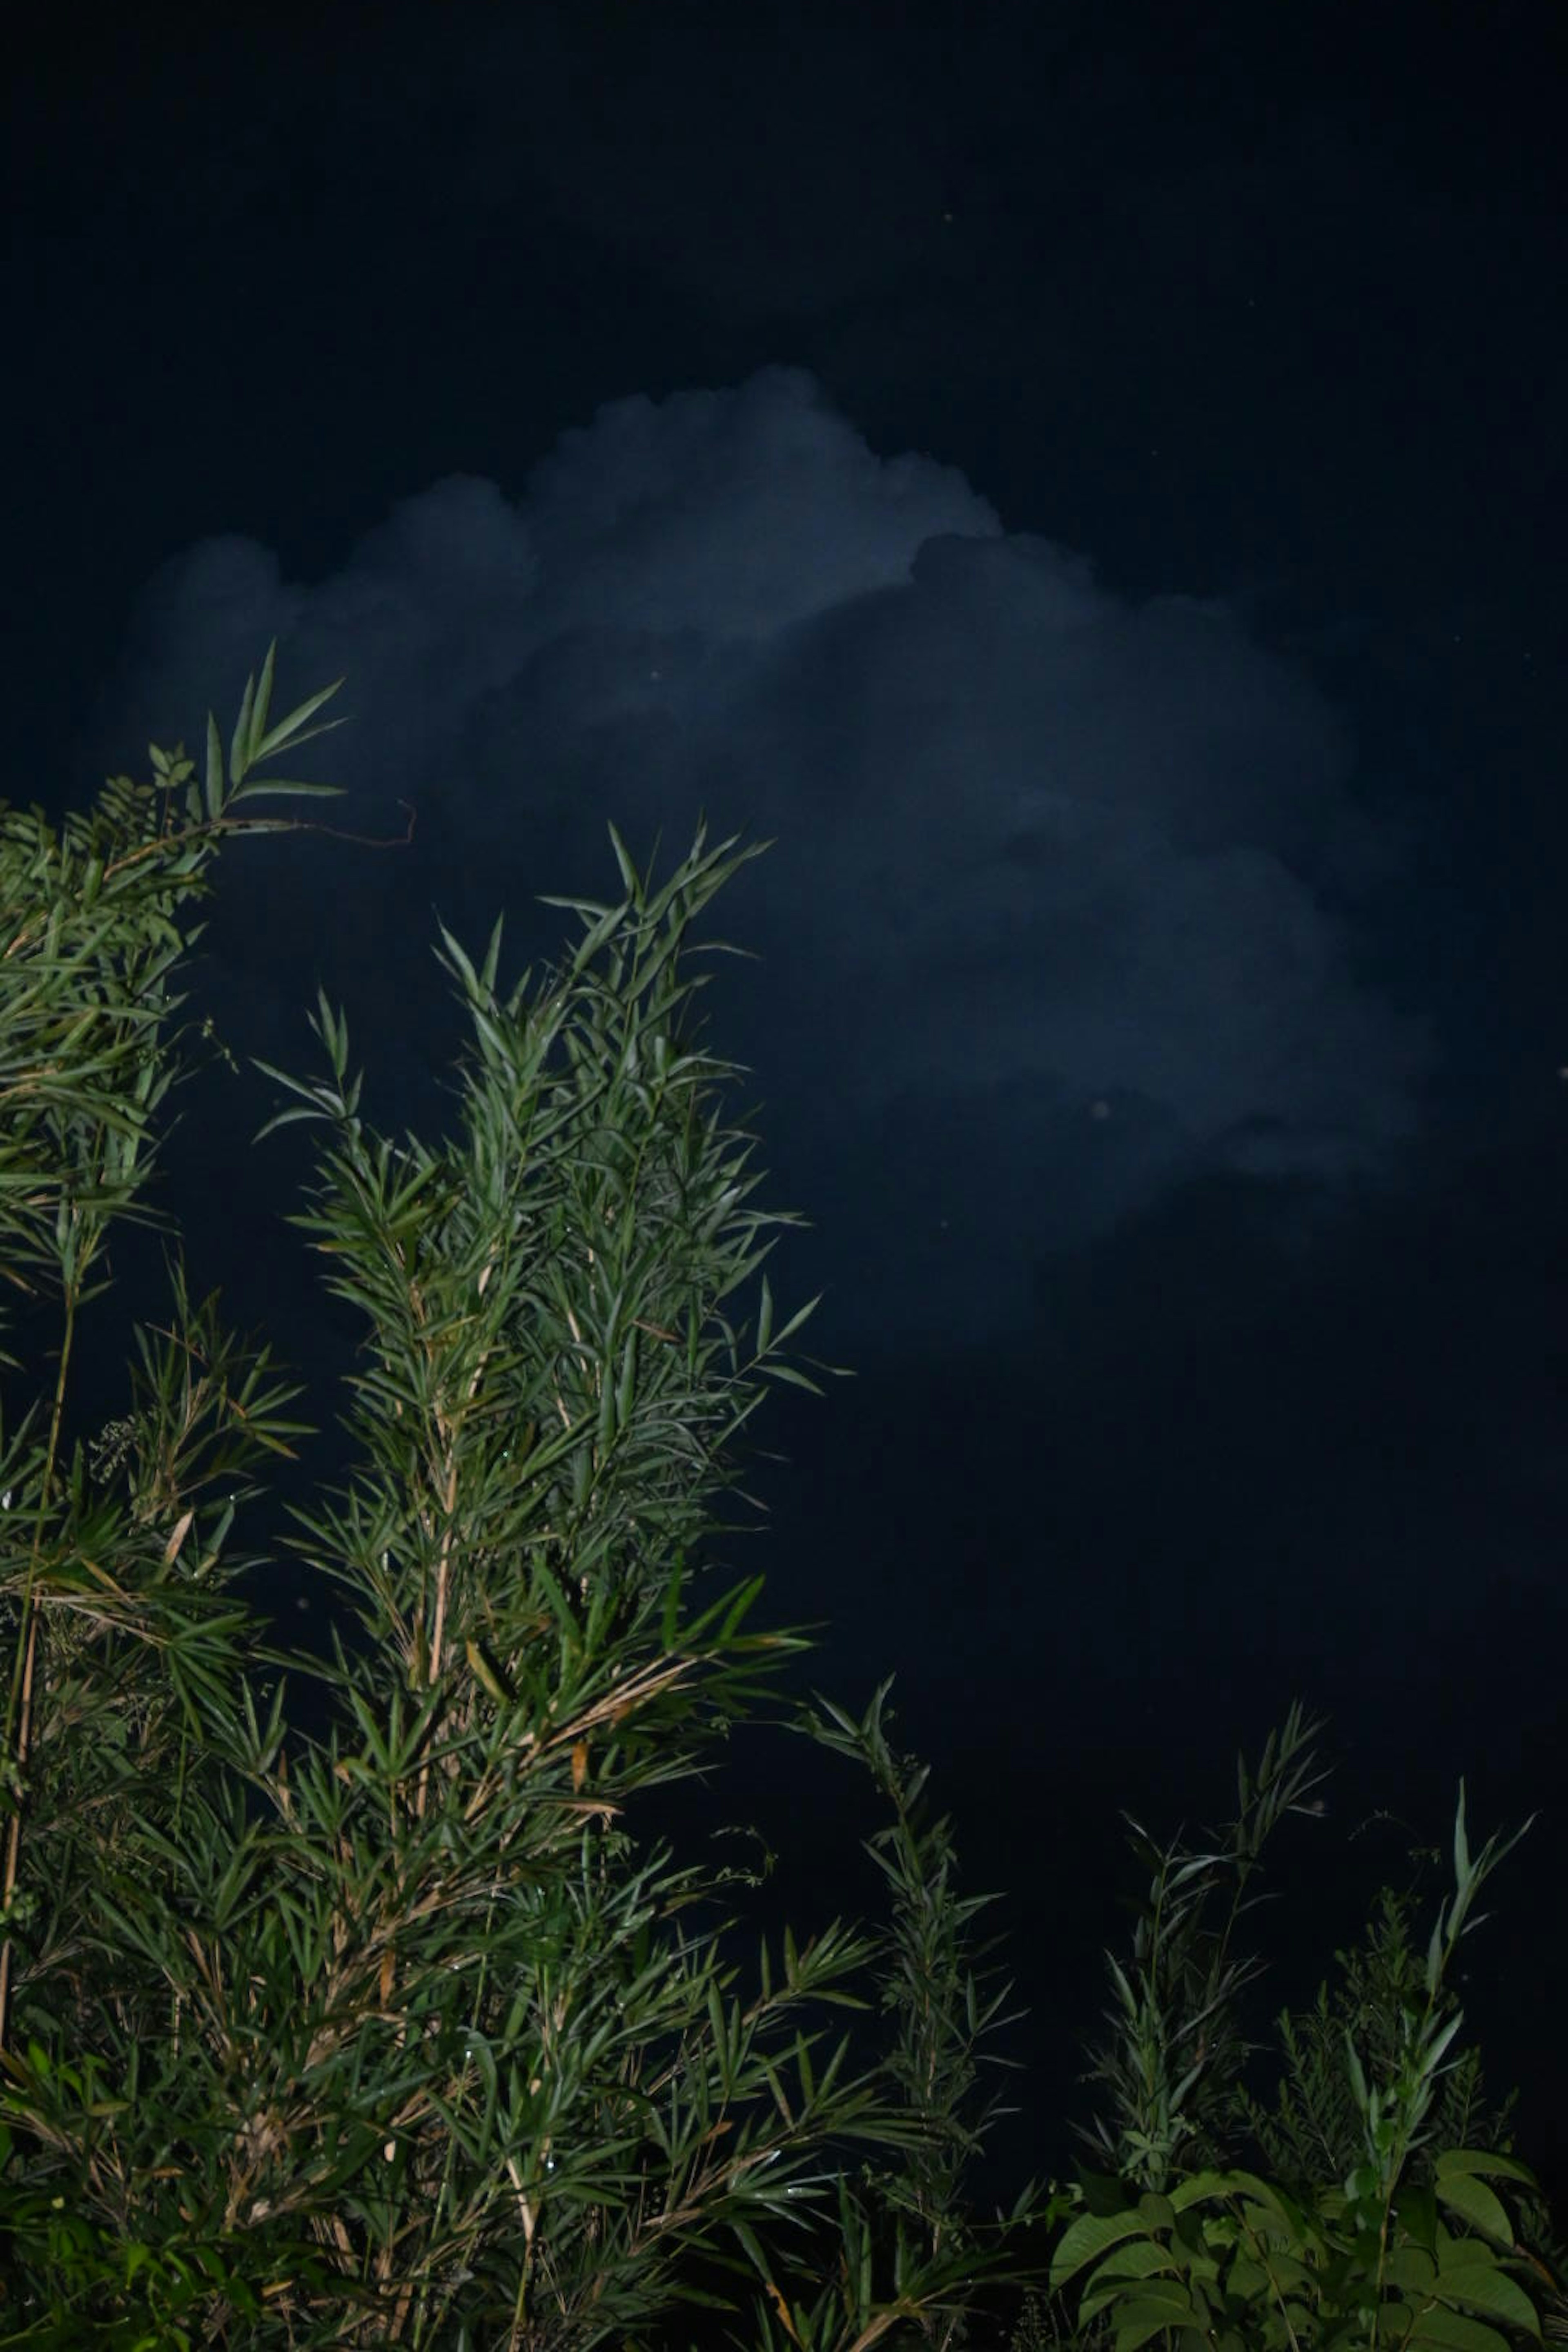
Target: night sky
<point>1087,480</point>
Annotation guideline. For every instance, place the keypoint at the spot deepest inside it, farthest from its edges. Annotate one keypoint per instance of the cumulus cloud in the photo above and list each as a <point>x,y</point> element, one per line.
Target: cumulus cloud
<point>1061,911</point>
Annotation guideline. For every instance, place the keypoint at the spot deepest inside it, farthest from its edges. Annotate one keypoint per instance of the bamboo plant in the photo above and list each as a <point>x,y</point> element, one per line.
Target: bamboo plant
<point>410,2034</point>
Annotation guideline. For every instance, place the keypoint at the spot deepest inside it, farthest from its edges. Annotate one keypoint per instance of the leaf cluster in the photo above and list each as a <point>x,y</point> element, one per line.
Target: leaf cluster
<point>1377,2222</point>
<point>412,2032</point>
<point>407,2033</point>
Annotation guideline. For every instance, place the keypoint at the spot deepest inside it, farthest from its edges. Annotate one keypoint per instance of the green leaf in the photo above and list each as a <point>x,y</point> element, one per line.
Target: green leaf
<point>1470,2197</point>
<point>1201,2187</point>
<point>1135,2257</point>
<point>469,976</point>
<point>239,741</point>
<point>492,954</point>
<point>214,770</point>
<point>1480,2283</point>
<point>672,1596</point>
<point>1435,1954</point>
<point>1434,2328</point>
<point>262,704</point>
<point>294,730</point>
<point>487,1673</point>
<point>629,871</point>
<point>1483,2161</point>
<point>1462,1871</point>
<point>1412,2269</point>
<point>285,787</point>
<point>1088,2237</point>
<point>626,1392</point>
<point>1149,2312</point>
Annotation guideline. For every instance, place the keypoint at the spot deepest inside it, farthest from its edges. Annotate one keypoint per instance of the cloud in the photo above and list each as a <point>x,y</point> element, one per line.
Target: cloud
<point>1061,912</point>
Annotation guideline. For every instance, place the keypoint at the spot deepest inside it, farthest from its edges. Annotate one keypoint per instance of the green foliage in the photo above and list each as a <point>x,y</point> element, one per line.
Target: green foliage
<point>1231,2260</point>
<point>1314,2128</point>
<point>944,2009</point>
<point>1376,2227</point>
<point>1175,2059</point>
<point>410,2036</point>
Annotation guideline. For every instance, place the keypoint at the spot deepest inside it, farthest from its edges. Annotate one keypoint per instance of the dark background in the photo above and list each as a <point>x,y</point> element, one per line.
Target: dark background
<point>1087,480</point>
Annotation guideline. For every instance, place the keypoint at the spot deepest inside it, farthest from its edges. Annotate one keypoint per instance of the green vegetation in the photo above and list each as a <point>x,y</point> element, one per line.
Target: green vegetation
<point>414,2035</point>
<point>1366,2215</point>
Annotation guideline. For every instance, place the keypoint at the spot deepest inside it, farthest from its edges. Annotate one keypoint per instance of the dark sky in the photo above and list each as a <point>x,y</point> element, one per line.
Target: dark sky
<point>1087,480</point>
